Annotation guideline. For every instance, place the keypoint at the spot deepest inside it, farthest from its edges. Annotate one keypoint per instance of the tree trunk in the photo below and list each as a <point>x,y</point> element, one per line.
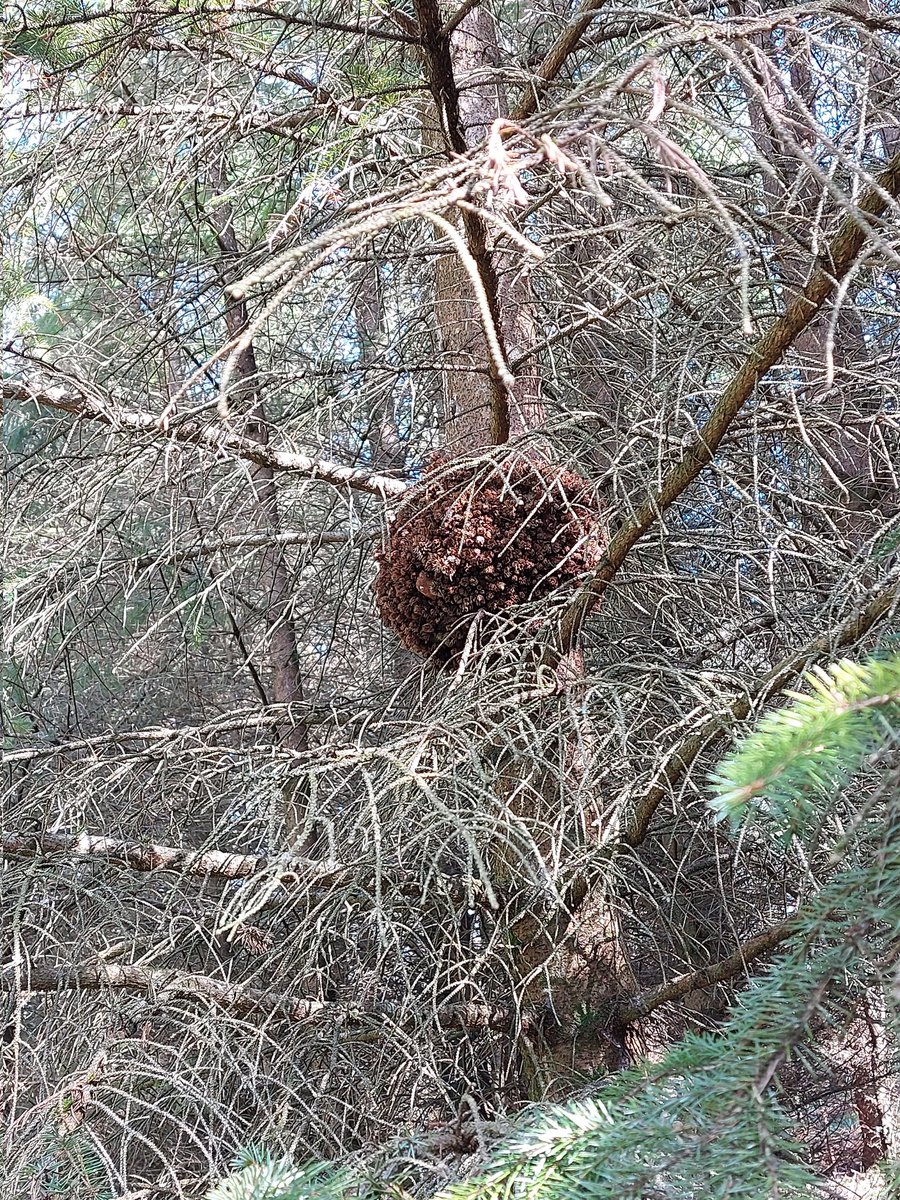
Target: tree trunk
<point>275,583</point>
<point>480,410</point>
<point>569,954</point>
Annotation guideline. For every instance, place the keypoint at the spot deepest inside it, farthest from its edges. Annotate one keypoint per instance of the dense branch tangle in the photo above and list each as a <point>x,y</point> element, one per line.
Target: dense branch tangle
<point>157,916</point>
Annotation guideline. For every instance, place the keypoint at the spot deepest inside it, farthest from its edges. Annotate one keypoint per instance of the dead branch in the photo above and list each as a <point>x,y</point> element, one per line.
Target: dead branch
<point>781,676</point>
<point>151,857</point>
<point>458,17</point>
<point>565,44</point>
<point>211,437</point>
<point>834,262</point>
<point>727,968</point>
<point>241,1000</point>
<point>273,714</point>
<point>293,872</point>
<point>57,575</point>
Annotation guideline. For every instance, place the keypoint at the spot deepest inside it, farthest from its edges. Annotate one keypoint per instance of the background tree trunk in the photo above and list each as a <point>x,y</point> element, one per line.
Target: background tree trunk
<point>246,404</point>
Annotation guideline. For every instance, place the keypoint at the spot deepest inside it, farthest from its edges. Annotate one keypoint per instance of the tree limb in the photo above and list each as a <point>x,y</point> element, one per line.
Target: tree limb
<point>784,673</point>
<point>219,8</point>
<point>458,17</point>
<point>212,437</point>
<point>138,856</point>
<point>833,264</point>
<point>58,575</point>
<point>293,872</point>
<point>565,44</point>
<point>726,968</point>
<point>241,999</point>
<point>274,714</point>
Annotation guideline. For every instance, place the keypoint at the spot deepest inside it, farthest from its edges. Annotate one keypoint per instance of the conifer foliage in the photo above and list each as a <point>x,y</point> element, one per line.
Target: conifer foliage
<point>436,435</point>
<point>711,1118</point>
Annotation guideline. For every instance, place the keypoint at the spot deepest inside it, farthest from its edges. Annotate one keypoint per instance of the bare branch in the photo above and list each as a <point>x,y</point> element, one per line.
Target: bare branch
<point>211,437</point>
<point>565,44</point>
<point>232,6</point>
<point>245,121</point>
<point>834,263</point>
<point>727,968</point>
<point>273,715</point>
<point>684,754</point>
<point>458,17</point>
<point>294,873</point>
<point>151,857</point>
<point>241,999</point>
<point>57,575</point>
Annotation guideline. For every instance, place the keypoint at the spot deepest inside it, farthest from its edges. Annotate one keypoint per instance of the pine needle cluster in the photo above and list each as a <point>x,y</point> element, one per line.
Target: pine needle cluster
<point>711,1118</point>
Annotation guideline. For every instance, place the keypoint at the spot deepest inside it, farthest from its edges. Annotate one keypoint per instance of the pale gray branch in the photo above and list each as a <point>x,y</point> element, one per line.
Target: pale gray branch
<point>241,999</point>
<point>272,715</point>
<point>213,437</point>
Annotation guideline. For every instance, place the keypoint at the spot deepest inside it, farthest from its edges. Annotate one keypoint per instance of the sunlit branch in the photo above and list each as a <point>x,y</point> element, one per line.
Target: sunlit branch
<point>834,262</point>
<point>553,62</point>
<point>137,856</point>
<point>682,757</point>
<point>274,714</point>
<point>221,7</point>
<point>295,874</point>
<point>90,571</point>
<point>211,437</point>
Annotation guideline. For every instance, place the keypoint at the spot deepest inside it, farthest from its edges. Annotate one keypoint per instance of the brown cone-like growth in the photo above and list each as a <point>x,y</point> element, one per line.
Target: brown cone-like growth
<point>469,539</point>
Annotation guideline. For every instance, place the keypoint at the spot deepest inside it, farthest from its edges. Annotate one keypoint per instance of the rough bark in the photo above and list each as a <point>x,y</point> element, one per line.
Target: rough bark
<point>274,577</point>
<point>587,963</point>
<point>480,410</point>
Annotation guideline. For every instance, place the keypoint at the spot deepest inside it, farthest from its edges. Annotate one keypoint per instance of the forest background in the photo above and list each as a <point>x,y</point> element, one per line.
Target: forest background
<point>300,866</point>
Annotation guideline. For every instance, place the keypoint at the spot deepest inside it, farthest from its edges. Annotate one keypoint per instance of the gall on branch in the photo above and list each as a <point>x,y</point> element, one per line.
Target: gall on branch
<point>469,540</point>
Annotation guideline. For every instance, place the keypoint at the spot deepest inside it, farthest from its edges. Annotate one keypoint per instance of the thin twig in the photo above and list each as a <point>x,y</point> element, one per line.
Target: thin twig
<point>685,753</point>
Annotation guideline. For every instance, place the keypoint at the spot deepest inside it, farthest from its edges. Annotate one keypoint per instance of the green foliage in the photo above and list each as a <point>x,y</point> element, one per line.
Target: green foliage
<point>18,718</point>
<point>888,542</point>
<point>52,50</point>
<point>60,35</point>
<point>703,1122</point>
<point>258,1176</point>
<point>707,1121</point>
<point>802,756</point>
<point>69,1166</point>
